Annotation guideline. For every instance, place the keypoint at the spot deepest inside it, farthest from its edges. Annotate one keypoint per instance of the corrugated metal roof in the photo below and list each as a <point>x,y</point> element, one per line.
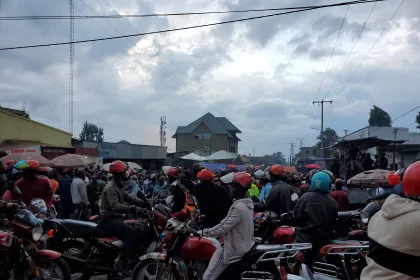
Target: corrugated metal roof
<point>219,125</point>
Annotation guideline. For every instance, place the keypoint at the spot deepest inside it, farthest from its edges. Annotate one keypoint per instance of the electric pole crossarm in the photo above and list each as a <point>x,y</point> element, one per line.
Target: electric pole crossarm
<point>322,121</point>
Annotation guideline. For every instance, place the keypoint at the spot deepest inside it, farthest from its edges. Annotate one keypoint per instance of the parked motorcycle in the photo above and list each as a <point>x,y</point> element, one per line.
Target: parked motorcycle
<point>99,252</point>
<point>19,253</point>
<point>187,257</point>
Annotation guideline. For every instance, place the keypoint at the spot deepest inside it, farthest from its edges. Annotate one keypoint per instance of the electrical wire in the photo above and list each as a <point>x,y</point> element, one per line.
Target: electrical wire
<point>181,28</point>
<point>175,14</point>
<point>380,35</point>
<point>351,51</point>
<point>332,52</point>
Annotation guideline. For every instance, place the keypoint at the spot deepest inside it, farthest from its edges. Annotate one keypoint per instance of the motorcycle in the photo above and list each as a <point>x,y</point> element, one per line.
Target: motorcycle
<point>19,253</point>
<point>187,257</point>
<point>99,253</point>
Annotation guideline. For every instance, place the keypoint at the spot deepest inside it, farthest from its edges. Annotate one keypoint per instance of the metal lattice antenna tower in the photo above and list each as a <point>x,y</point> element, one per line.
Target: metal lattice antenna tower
<point>163,131</point>
<point>71,66</point>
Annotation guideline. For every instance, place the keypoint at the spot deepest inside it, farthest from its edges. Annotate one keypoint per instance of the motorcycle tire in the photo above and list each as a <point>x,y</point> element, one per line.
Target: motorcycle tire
<point>142,265</point>
<point>23,269</point>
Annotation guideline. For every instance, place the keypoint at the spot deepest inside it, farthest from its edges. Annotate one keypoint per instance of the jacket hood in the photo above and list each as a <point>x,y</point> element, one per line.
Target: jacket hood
<point>396,206</point>
<point>247,201</point>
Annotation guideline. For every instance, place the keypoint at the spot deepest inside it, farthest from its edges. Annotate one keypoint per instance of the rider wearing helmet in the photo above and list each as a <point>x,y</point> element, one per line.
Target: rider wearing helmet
<point>279,200</point>
<point>207,194</point>
<point>176,198</point>
<point>113,204</point>
<point>33,186</point>
<point>394,242</point>
<point>235,228</point>
<point>315,214</point>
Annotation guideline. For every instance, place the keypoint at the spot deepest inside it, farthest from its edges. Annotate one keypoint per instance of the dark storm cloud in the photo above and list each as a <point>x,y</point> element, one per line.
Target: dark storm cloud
<point>303,48</point>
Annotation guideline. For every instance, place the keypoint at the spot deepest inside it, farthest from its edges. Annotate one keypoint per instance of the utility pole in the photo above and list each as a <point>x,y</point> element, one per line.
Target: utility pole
<point>345,132</point>
<point>292,146</point>
<point>395,148</point>
<point>253,152</point>
<point>322,122</point>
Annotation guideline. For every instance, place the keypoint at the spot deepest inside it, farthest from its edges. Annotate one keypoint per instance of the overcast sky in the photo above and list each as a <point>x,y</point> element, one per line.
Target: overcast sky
<point>261,74</point>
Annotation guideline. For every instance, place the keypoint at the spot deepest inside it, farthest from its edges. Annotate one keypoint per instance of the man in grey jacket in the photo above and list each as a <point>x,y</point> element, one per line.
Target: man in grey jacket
<point>236,228</point>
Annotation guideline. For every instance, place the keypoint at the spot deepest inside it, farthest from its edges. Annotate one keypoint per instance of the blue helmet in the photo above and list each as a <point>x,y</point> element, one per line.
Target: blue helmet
<point>321,181</point>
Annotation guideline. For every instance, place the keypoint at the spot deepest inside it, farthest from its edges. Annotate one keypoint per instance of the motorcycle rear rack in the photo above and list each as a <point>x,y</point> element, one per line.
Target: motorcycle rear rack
<point>290,251</point>
<point>347,250</point>
<point>326,269</point>
<point>256,275</point>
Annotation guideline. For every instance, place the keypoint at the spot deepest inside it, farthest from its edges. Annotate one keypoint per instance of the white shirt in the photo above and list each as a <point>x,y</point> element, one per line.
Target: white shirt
<point>78,191</point>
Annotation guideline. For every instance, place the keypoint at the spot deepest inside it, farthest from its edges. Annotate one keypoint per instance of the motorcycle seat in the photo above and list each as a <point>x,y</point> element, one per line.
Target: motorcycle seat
<point>336,244</point>
<point>81,228</point>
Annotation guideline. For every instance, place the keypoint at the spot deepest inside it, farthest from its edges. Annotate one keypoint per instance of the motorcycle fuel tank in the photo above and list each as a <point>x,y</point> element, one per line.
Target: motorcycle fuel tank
<point>198,249</point>
<point>283,235</point>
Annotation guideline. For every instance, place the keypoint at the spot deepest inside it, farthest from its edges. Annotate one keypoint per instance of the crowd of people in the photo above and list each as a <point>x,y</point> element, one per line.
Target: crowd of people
<point>227,206</point>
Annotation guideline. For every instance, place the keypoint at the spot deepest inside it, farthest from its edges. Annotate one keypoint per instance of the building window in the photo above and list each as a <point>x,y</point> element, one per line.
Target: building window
<point>203,136</point>
<point>232,149</point>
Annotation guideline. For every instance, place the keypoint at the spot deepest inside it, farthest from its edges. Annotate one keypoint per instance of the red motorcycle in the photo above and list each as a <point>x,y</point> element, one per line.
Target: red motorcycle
<point>187,257</point>
<point>19,253</point>
<point>90,250</point>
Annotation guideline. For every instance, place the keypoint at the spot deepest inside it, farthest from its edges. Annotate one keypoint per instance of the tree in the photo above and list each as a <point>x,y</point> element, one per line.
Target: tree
<point>330,138</point>
<point>418,120</point>
<point>378,117</point>
<point>279,158</point>
<point>91,132</point>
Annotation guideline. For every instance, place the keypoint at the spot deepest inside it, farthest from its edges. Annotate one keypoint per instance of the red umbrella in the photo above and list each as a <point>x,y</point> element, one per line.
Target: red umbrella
<point>26,156</point>
<point>313,166</point>
<point>231,166</point>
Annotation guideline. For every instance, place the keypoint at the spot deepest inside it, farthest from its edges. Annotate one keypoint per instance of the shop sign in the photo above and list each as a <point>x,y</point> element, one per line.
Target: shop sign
<point>30,149</point>
<point>107,150</point>
<point>54,150</point>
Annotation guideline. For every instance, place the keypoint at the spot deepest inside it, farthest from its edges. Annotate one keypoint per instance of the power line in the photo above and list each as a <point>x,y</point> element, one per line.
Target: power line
<point>181,28</point>
<point>405,113</point>
<point>380,35</point>
<point>174,14</point>
<point>351,51</point>
<point>332,52</point>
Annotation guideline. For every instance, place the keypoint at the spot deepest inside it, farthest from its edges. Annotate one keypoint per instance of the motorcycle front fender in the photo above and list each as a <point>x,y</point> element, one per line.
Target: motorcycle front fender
<point>41,255</point>
<point>179,265</point>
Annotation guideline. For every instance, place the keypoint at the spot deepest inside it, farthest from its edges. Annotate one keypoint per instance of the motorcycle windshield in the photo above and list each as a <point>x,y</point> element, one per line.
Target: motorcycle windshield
<point>372,208</point>
<point>38,205</point>
<point>24,216</point>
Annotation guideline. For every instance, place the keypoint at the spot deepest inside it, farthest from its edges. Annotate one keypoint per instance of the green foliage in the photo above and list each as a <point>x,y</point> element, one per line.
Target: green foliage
<point>330,138</point>
<point>418,120</point>
<point>378,117</point>
<point>91,132</point>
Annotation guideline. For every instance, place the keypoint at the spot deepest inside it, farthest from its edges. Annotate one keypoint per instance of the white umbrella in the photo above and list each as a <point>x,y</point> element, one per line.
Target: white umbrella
<point>106,166</point>
<point>134,165</point>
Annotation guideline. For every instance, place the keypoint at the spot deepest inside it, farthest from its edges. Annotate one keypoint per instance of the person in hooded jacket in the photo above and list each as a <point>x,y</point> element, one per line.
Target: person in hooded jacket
<point>394,242</point>
<point>315,214</point>
<point>236,228</point>
<point>208,193</point>
<point>279,200</point>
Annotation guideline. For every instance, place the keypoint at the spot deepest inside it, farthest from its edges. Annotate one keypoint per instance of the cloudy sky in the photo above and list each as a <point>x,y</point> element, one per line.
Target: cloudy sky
<point>261,74</point>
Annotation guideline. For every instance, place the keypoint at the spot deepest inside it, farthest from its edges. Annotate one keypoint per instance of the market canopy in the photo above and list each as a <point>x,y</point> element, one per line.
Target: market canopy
<point>371,178</point>
<point>193,156</point>
<point>222,155</point>
<point>366,143</point>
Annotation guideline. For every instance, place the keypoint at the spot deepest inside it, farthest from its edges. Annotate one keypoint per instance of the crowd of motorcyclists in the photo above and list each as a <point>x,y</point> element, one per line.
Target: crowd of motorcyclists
<point>227,209</point>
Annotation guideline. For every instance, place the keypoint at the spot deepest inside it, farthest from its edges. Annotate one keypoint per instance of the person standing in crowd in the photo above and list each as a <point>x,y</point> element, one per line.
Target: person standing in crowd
<point>131,186</point>
<point>394,242</point>
<point>340,196</point>
<point>3,179</point>
<point>94,190</point>
<point>53,179</point>
<point>266,187</point>
<point>161,192</point>
<point>64,190</point>
<point>383,162</point>
<point>79,195</point>
<point>315,215</point>
<point>151,186</point>
<point>208,193</point>
<point>335,169</point>
<point>368,163</point>
<point>279,200</point>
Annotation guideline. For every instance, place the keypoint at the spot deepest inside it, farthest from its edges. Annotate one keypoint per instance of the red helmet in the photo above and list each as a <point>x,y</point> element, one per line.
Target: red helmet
<point>276,169</point>
<point>117,166</point>
<point>173,171</point>
<point>244,179</point>
<point>205,175</point>
<point>411,179</point>
<point>32,164</point>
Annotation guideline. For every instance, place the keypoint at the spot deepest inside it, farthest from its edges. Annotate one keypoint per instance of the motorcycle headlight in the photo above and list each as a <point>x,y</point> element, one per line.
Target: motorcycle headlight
<point>37,233</point>
<point>364,218</point>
